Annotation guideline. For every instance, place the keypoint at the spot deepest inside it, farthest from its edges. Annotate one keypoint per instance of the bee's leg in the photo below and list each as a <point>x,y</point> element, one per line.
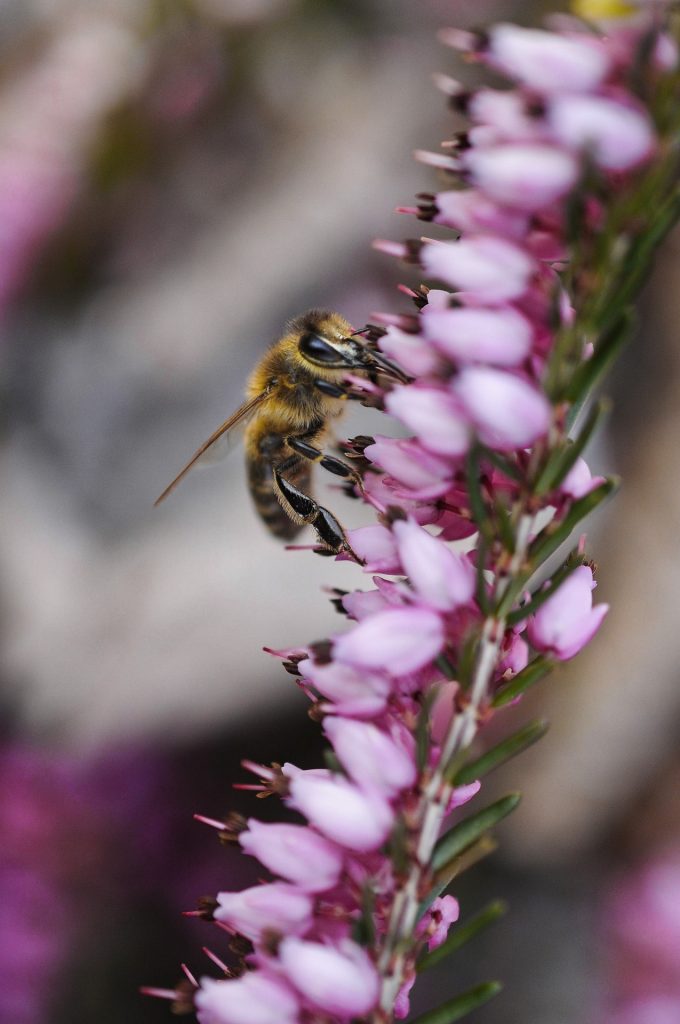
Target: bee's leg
<point>303,509</point>
<point>346,393</point>
<point>328,462</point>
<point>341,391</point>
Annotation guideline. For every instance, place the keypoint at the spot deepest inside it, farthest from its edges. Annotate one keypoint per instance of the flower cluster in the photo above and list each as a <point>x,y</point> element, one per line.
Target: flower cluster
<point>499,354</point>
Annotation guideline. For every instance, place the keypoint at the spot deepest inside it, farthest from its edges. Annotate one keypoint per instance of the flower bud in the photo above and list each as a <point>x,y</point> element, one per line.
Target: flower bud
<point>444,579</point>
<point>255,998</point>
<point>294,852</point>
<point>567,621</point>
<point>275,906</point>
<point>370,756</point>
<point>397,641</point>
<point>352,817</point>
<point>338,980</point>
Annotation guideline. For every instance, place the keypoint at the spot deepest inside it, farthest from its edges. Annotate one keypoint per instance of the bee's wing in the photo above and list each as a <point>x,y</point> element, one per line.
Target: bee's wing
<point>223,434</point>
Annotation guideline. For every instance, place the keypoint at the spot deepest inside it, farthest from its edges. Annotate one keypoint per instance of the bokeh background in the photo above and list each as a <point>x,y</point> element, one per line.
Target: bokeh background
<point>177,179</point>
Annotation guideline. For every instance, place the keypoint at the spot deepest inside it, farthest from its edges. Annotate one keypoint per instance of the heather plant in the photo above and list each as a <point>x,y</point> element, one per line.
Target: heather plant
<point>560,189</point>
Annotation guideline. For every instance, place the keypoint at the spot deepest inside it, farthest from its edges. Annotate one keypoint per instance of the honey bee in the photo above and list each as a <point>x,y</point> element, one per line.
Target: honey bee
<point>292,395</point>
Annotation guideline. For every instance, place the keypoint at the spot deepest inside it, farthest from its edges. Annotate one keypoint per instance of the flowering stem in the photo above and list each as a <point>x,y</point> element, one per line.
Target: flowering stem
<point>437,789</point>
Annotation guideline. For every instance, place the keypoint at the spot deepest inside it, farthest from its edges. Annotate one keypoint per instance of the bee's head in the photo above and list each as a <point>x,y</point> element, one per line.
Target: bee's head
<point>327,341</point>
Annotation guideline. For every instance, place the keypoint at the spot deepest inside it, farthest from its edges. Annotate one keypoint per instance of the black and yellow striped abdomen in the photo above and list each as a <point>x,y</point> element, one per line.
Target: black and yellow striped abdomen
<point>265,498</point>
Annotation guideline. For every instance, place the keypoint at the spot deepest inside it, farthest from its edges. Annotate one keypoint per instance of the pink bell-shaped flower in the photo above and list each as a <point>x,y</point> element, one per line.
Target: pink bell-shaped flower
<point>444,579</point>
<point>397,641</point>
<point>486,268</point>
<point>434,416</point>
<point>351,816</point>
<point>507,410</point>
<point>296,853</point>
<point>276,906</point>
<point>255,998</point>
<point>567,621</point>
<point>337,980</point>
<point>372,758</point>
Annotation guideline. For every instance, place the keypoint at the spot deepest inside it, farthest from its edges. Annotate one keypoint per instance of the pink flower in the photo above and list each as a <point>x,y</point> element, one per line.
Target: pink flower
<point>255,998</point>
<point>508,412</point>
<point>463,795</point>
<point>361,694</point>
<point>355,818</point>
<point>579,480</point>
<point>371,757</point>
<point>361,604</point>
<point>402,1004</point>
<point>486,268</point>
<point>444,579</point>
<point>619,136</point>
<point>423,473</point>
<point>515,656</point>
<point>523,174</point>
<point>469,334</point>
<point>276,907</point>
<point>410,351</point>
<point>436,921</point>
<point>547,61</point>
<point>567,621</point>
<point>502,115</point>
<point>339,980</point>
<point>471,211</point>
<point>375,545</point>
<point>397,641</point>
<point>294,852</point>
<point>434,416</point>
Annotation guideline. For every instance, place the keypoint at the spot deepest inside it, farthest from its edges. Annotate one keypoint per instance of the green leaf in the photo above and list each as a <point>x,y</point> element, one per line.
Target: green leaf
<point>481,594</point>
<point>561,461</point>
<point>462,933</point>
<point>484,846</point>
<point>554,534</point>
<point>466,832</point>
<point>510,469</point>
<point>363,930</point>
<point>530,675</point>
<point>455,1009</point>
<point>639,259</point>
<point>423,728</point>
<point>607,349</point>
<point>502,752</point>
<point>477,506</point>
<point>541,595</point>
<point>506,529</point>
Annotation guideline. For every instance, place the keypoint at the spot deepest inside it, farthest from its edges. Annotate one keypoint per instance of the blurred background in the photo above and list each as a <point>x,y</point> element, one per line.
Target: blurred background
<point>177,178</point>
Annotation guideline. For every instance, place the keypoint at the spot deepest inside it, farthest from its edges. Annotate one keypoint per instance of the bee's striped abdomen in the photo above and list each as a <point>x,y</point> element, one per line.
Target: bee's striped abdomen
<point>267,504</point>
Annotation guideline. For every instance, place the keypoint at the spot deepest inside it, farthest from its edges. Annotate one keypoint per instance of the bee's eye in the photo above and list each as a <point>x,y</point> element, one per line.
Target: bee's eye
<point>319,351</point>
